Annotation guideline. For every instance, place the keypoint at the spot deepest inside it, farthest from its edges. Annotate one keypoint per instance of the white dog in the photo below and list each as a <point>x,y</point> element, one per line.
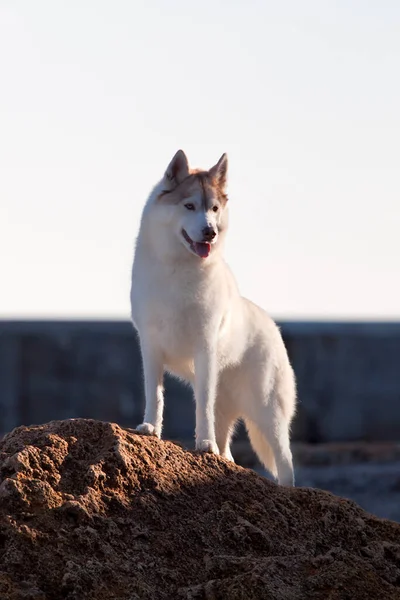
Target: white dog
<point>193,322</point>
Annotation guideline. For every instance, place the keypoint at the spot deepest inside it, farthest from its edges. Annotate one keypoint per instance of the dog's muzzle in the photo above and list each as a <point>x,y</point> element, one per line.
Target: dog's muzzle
<point>202,249</point>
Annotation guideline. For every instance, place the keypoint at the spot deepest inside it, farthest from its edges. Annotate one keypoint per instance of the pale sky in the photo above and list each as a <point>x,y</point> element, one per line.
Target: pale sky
<point>96,97</point>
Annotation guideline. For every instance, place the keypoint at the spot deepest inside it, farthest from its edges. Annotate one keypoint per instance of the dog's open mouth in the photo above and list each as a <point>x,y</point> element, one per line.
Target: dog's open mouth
<point>202,249</point>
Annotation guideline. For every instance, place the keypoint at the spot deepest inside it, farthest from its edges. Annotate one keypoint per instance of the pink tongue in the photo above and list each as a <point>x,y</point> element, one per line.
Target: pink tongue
<point>202,249</point>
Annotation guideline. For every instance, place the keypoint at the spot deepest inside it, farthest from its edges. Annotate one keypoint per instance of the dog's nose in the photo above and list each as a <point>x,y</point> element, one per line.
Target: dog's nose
<point>209,234</point>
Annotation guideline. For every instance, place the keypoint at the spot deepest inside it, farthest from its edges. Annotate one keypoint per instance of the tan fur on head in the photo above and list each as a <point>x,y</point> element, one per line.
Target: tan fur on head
<point>180,181</point>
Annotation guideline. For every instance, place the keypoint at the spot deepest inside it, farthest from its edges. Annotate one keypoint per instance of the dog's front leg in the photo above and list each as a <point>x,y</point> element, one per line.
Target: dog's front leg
<point>154,391</point>
<point>205,384</point>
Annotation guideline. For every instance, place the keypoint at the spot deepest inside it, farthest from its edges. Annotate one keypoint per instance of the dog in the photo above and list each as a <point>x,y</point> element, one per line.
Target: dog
<point>193,322</point>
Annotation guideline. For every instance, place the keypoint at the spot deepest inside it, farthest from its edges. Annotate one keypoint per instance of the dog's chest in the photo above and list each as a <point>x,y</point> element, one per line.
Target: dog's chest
<point>172,309</point>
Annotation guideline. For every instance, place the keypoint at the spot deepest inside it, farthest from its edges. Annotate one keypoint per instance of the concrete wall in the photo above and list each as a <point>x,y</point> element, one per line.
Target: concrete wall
<point>348,378</point>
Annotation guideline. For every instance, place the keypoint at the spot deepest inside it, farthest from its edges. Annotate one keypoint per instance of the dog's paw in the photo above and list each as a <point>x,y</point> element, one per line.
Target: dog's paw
<point>147,429</point>
<point>228,456</point>
<point>207,446</point>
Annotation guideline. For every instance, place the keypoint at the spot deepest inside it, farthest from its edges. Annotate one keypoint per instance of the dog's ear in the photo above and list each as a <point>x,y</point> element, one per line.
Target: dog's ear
<point>177,170</point>
<point>219,172</point>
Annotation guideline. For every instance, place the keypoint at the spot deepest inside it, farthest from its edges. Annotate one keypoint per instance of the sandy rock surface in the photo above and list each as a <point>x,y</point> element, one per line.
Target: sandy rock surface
<point>89,510</point>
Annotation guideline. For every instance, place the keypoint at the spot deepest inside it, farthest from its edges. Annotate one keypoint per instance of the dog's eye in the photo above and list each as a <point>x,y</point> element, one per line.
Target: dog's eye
<point>215,208</point>
<point>189,206</point>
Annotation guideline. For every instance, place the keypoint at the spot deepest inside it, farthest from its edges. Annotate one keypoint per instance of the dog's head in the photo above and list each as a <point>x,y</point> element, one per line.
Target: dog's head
<point>193,203</point>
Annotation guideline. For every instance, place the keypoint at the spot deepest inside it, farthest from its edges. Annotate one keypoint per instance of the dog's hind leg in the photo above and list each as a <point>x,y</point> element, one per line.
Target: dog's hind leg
<point>224,428</point>
<point>269,436</point>
<point>261,447</point>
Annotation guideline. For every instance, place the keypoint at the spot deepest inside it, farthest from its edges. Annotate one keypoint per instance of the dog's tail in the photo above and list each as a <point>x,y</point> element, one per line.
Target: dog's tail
<point>261,447</point>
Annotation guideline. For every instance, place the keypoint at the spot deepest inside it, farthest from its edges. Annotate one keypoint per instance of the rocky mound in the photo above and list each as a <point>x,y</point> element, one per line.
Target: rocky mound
<point>89,510</point>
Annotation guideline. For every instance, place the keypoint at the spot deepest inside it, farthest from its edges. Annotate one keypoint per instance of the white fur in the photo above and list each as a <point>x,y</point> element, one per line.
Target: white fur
<point>193,322</point>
